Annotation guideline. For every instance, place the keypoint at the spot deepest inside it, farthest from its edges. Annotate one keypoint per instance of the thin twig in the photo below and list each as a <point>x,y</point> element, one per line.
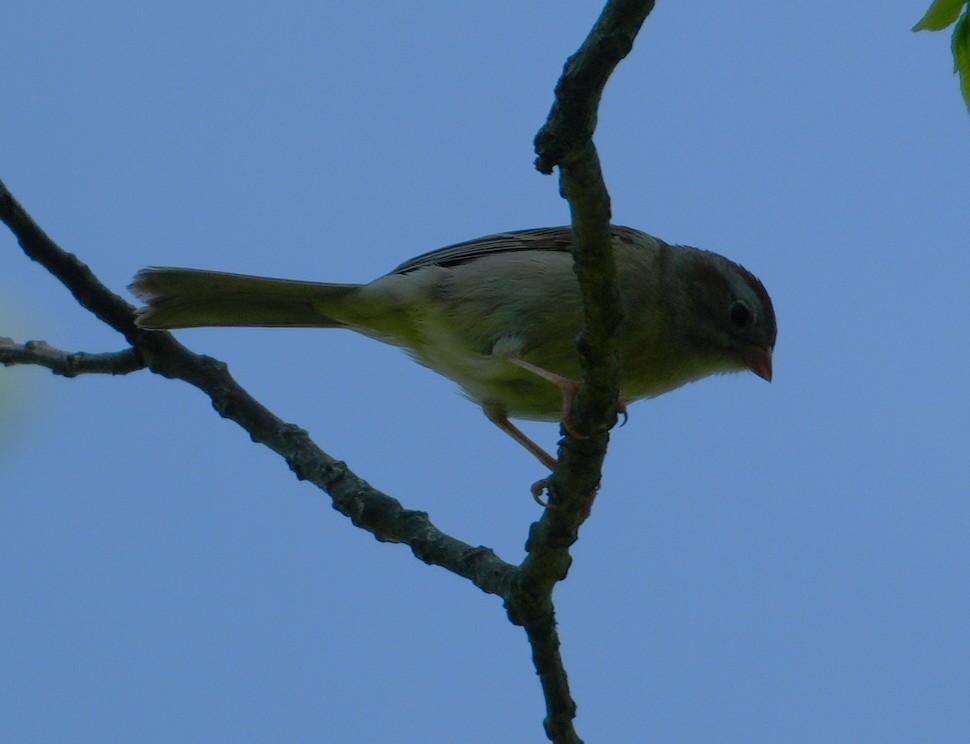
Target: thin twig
<point>67,363</point>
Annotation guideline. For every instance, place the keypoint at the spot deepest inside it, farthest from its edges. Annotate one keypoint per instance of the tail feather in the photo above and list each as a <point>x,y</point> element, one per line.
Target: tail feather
<point>191,298</point>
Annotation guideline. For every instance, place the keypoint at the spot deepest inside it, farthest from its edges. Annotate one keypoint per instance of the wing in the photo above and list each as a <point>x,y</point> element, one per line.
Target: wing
<point>539,239</point>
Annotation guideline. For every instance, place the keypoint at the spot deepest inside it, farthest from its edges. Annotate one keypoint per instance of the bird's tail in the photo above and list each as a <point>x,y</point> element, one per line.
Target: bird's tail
<point>190,298</point>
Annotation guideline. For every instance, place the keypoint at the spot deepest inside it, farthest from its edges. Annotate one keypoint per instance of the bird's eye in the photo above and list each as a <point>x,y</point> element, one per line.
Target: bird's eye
<point>741,315</point>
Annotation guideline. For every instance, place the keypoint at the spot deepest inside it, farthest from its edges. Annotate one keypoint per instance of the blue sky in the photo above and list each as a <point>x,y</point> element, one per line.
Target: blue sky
<point>765,563</point>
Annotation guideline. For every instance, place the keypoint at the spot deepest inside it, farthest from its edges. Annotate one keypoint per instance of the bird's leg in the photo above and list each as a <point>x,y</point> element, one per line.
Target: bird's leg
<point>568,386</point>
<point>570,389</point>
<point>499,418</point>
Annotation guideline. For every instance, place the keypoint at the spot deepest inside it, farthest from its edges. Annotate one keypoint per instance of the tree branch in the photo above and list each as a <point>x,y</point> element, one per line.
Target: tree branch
<point>368,508</point>
<point>573,117</point>
<point>565,141</point>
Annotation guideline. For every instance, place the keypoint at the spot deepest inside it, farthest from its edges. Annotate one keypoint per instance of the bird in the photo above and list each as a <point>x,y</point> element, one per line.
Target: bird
<point>500,315</point>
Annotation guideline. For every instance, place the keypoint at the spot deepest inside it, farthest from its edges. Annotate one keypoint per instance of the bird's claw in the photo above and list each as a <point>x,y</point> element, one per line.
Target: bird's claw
<point>538,488</point>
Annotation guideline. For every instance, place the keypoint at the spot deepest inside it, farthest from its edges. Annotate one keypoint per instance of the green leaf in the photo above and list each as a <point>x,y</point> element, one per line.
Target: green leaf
<point>940,15</point>
<point>961,55</point>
